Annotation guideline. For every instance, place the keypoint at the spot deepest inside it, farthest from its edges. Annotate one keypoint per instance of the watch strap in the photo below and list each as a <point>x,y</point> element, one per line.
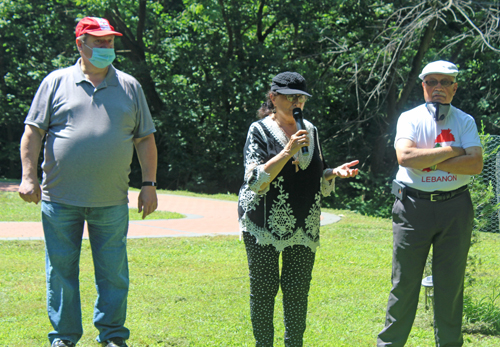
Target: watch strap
<point>149,184</point>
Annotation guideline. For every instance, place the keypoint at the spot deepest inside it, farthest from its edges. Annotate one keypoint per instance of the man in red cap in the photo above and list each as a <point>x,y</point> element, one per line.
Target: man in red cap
<point>91,116</point>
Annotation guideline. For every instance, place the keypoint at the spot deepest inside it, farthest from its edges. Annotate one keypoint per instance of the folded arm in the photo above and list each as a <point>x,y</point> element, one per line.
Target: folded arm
<point>457,160</point>
<point>471,163</point>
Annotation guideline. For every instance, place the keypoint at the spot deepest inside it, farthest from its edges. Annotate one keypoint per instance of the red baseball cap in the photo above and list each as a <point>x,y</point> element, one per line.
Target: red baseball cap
<point>96,27</point>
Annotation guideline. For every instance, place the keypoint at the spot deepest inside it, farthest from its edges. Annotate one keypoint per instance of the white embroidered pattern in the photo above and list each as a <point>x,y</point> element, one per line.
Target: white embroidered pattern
<point>264,237</point>
<point>280,136</point>
<point>249,197</point>
<point>251,156</point>
<point>258,177</point>
<point>281,219</point>
<point>313,219</point>
<point>327,187</point>
<point>255,176</point>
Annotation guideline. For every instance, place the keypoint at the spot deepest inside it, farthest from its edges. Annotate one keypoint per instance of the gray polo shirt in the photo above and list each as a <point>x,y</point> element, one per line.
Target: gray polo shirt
<point>90,132</point>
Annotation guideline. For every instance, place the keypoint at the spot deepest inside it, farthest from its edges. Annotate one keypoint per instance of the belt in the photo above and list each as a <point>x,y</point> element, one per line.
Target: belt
<point>437,195</point>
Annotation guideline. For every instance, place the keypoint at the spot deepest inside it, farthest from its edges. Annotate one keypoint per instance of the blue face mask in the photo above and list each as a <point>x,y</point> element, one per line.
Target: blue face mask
<point>102,57</point>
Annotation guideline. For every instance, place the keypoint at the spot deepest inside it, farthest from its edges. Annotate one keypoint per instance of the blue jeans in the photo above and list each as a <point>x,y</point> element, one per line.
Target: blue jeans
<point>63,229</point>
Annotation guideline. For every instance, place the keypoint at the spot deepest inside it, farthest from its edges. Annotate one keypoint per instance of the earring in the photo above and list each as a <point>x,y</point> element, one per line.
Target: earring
<point>273,108</point>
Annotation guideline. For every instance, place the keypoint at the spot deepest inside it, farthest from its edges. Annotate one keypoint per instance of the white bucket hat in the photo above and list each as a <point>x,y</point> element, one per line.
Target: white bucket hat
<point>439,67</point>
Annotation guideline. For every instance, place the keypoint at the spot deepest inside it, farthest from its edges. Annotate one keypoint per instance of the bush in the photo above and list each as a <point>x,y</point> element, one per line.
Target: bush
<point>367,194</point>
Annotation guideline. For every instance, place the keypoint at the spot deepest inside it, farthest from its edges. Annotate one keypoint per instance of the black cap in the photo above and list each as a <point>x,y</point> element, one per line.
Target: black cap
<point>289,83</point>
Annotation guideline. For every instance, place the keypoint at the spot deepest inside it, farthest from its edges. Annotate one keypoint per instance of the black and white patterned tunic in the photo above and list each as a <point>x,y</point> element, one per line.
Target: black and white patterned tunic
<point>288,211</point>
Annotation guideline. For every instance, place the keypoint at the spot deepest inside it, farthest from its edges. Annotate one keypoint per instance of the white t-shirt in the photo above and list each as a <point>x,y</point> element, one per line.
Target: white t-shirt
<point>458,129</point>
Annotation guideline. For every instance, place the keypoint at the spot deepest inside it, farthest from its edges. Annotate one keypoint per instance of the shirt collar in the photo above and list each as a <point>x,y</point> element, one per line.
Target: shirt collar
<point>111,79</point>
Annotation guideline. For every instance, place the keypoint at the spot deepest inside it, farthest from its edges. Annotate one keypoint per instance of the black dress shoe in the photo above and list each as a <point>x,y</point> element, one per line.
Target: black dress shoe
<point>114,342</point>
<point>62,343</point>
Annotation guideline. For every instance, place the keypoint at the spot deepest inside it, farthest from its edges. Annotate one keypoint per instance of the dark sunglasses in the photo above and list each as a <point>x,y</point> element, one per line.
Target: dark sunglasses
<point>444,83</point>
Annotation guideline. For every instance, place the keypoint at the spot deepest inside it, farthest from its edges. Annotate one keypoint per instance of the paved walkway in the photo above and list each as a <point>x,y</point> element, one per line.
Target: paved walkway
<point>204,217</point>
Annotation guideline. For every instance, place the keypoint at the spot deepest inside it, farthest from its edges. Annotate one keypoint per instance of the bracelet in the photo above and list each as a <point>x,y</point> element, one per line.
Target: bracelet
<point>149,184</point>
<point>332,173</point>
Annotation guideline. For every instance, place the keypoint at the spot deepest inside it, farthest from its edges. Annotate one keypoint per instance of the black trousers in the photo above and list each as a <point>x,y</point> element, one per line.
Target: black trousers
<point>418,224</point>
<point>265,280</point>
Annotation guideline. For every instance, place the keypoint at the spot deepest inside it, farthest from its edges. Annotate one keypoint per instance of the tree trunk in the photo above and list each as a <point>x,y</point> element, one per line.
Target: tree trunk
<point>380,164</point>
<point>135,45</point>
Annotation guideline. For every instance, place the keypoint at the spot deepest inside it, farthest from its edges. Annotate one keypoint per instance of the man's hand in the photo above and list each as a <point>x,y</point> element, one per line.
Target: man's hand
<point>147,155</point>
<point>470,163</point>
<point>30,191</point>
<point>148,201</point>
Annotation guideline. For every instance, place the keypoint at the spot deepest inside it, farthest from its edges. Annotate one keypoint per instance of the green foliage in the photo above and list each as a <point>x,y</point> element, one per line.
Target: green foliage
<point>34,38</point>
<point>483,187</point>
<point>483,315</point>
<point>368,194</point>
<point>206,65</point>
<point>484,197</point>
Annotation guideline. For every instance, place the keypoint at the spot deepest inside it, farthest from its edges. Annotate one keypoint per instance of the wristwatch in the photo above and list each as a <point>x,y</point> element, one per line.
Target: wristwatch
<point>149,184</point>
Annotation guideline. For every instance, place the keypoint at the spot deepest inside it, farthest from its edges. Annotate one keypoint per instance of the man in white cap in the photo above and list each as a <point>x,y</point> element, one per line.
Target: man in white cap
<point>92,116</point>
<point>438,149</point>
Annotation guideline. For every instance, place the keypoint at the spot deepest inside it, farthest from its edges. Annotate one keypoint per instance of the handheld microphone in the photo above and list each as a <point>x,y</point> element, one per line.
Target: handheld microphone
<point>297,115</point>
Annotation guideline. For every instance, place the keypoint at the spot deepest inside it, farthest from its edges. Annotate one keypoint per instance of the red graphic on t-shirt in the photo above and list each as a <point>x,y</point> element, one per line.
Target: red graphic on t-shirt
<point>445,136</point>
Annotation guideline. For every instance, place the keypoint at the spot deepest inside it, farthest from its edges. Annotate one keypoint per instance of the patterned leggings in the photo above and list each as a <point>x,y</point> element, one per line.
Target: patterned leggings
<point>263,263</point>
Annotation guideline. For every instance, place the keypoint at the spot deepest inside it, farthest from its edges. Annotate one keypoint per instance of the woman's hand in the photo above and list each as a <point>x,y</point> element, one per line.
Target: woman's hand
<point>343,171</point>
<point>274,166</point>
<point>296,142</point>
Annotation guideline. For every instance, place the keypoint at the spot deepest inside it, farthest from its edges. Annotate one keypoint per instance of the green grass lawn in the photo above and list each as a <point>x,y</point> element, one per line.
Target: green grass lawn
<point>194,291</point>
<point>16,210</point>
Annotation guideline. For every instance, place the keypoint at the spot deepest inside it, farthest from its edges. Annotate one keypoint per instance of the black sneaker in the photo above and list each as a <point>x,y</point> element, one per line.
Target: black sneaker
<point>114,342</point>
<point>62,343</point>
